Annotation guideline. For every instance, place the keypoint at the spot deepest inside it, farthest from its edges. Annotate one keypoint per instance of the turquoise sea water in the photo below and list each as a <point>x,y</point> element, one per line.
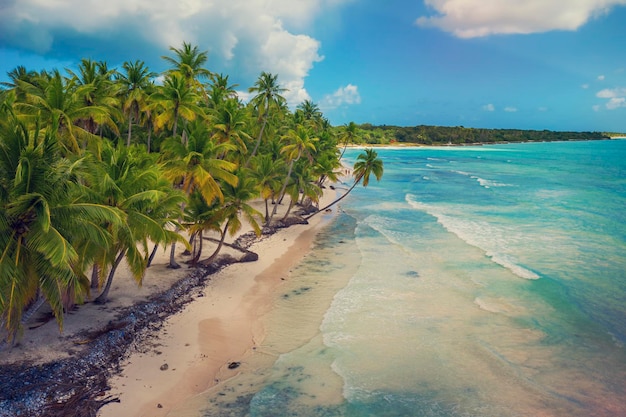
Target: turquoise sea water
<point>471,281</point>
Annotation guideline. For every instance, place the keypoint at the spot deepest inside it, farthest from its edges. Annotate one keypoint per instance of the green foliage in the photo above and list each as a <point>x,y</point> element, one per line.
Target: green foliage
<point>459,135</point>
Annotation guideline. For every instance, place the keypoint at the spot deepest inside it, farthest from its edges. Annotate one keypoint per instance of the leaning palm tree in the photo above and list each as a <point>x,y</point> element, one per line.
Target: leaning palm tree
<point>268,94</point>
<point>197,166</point>
<point>43,217</point>
<point>235,207</point>
<point>267,173</point>
<point>367,164</point>
<point>348,135</point>
<point>300,144</point>
<point>130,182</point>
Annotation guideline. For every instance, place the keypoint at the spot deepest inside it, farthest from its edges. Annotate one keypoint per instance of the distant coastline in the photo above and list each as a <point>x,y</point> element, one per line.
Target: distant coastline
<point>423,135</point>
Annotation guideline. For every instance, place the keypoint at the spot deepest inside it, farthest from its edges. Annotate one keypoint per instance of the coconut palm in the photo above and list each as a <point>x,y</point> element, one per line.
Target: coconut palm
<point>309,113</point>
<point>300,144</point>
<point>55,101</point>
<point>367,163</point>
<point>43,218</point>
<point>188,62</point>
<point>230,121</point>
<point>236,198</point>
<point>197,166</point>
<point>268,94</point>
<point>267,173</point>
<point>102,95</point>
<point>130,182</point>
<point>220,90</point>
<point>175,99</point>
<point>135,82</point>
<point>348,135</point>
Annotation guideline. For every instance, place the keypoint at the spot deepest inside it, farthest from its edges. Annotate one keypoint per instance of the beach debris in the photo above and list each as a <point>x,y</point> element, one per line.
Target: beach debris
<point>234,365</point>
<point>164,367</point>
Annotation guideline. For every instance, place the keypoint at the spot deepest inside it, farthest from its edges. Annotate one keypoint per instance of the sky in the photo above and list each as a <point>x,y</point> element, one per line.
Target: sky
<point>520,64</point>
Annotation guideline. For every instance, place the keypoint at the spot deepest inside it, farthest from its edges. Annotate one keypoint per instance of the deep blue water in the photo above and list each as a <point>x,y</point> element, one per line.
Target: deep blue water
<point>473,281</point>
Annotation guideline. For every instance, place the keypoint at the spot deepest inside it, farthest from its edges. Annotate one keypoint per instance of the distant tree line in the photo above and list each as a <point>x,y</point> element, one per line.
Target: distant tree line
<point>458,135</point>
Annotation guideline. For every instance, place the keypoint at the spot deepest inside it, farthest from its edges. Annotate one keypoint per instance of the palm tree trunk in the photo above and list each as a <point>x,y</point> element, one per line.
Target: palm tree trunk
<point>210,259</point>
<point>358,180</point>
<point>288,209</point>
<point>103,298</point>
<point>282,192</point>
<point>130,127</point>
<point>258,140</point>
<point>198,249</point>
<point>173,264</point>
<point>95,276</point>
<point>152,255</point>
<point>149,136</point>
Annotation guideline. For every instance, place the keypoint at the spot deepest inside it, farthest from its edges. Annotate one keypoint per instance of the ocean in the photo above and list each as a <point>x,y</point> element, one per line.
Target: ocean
<point>470,281</point>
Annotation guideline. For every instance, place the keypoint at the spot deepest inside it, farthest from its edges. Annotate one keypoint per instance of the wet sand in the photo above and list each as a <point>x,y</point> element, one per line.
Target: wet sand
<point>201,346</point>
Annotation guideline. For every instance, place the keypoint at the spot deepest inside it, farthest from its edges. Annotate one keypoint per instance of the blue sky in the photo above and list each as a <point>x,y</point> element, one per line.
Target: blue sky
<point>530,64</point>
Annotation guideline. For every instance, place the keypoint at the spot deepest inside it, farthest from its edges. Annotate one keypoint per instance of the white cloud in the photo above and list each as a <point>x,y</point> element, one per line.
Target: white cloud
<point>248,36</point>
<point>601,77</point>
<point>510,109</point>
<point>612,93</point>
<point>616,102</point>
<point>585,86</point>
<point>489,107</point>
<point>344,95</point>
<point>476,18</point>
<point>616,97</point>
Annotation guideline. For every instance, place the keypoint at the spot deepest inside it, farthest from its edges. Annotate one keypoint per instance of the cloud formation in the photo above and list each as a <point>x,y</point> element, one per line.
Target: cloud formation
<point>477,18</point>
<point>616,97</point>
<point>489,107</point>
<point>344,95</point>
<point>245,36</point>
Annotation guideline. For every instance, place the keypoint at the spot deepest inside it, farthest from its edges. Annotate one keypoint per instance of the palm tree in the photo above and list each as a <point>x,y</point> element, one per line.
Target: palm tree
<point>130,181</point>
<point>176,100</point>
<point>196,166</point>
<point>58,102</point>
<point>188,62</point>
<point>349,135</point>
<point>199,218</point>
<point>268,94</point>
<point>309,113</point>
<point>230,122</point>
<point>19,73</point>
<point>235,205</point>
<point>300,144</point>
<point>135,81</point>
<point>43,219</point>
<point>267,174</point>
<point>220,90</point>
<point>367,164</point>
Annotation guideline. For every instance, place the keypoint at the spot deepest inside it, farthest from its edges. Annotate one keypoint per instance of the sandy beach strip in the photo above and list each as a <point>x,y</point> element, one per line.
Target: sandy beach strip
<point>194,348</point>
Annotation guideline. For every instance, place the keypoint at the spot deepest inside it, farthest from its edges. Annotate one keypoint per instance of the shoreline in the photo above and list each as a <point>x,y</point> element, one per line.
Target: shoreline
<point>94,355</point>
<point>203,345</point>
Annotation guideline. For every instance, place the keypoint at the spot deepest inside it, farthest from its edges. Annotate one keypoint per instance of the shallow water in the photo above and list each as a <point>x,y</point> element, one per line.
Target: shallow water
<point>481,281</point>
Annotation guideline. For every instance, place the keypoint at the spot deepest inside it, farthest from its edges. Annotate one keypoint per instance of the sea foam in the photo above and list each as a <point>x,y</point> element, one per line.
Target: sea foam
<point>493,240</point>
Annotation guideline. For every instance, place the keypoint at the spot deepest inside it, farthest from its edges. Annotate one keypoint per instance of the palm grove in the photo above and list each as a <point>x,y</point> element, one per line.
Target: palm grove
<point>103,166</point>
